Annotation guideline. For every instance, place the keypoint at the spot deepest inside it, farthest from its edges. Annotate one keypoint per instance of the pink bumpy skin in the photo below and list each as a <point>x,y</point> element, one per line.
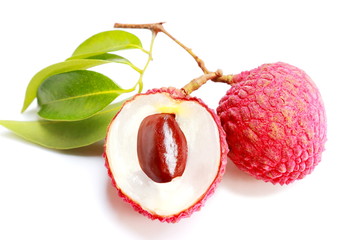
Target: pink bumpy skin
<point>275,123</point>
<point>179,95</point>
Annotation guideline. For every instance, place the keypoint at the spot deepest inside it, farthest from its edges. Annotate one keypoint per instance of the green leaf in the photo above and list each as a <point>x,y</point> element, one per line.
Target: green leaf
<point>108,41</point>
<point>67,66</point>
<point>75,95</point>
<point>65,135</point>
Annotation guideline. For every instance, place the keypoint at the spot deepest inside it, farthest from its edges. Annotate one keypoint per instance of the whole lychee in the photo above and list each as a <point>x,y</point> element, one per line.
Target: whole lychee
<point>165,152</point>
<point>275,122</point>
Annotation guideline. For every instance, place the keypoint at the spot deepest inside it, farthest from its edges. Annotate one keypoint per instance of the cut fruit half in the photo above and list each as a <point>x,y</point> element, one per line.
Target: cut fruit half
<point>165,152</point>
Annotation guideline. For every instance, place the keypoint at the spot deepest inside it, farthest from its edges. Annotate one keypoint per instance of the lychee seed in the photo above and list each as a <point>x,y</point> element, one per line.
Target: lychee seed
<point>161,147</point>
<point>275,123</point>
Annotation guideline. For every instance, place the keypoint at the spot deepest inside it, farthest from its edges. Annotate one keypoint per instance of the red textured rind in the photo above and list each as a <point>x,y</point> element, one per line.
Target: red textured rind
<point>179,95</point>
<point>275,123</point>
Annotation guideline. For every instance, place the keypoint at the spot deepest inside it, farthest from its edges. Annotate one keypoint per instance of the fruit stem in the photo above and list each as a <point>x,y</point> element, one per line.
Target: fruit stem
<point>195,83</point>
<point>198,82</point>
<point>158,27</point>
<point>228,79</point>
<point>199,61</point>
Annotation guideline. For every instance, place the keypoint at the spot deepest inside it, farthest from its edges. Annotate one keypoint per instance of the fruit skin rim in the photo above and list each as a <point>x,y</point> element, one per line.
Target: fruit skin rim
<point>176,94</point>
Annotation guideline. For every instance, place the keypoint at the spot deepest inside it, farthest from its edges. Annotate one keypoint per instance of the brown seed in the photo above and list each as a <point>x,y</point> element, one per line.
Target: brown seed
<point>161,147</point>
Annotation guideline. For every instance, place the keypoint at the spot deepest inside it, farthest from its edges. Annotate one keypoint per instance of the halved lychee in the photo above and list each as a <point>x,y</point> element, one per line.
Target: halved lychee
<point>165,153</point>
<point>275,122</point>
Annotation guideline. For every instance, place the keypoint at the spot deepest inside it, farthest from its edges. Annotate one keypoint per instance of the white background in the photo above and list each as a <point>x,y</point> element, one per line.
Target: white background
<point>49,194</point>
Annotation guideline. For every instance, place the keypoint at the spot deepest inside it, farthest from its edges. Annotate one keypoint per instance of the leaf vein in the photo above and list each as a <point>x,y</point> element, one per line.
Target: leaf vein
<point>83,96</point>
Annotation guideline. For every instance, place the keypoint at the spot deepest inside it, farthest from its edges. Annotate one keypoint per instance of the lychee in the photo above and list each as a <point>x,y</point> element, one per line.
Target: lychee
<point>165,152</point>
<point>275,123</point>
